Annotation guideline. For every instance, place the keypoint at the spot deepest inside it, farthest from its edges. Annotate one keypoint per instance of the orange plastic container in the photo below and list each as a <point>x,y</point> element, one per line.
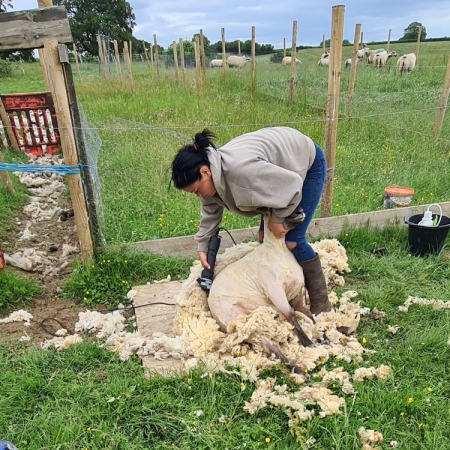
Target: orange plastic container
<point>33,120</point>
<point>399,195</point>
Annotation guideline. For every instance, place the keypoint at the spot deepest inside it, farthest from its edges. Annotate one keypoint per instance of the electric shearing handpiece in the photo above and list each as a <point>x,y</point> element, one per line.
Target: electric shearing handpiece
<point>206,276</point>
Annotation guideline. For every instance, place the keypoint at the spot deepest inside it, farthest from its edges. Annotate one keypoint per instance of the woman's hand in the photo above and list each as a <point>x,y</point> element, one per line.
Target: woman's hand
<point>277,229</point>
<point>203,256</point>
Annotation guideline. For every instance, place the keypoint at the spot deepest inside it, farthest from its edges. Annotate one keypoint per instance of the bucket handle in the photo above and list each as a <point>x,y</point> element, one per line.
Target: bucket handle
<point>440,210</point>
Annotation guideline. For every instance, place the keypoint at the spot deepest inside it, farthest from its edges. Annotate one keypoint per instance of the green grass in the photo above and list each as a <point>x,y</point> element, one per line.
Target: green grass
<point>115,272</point>
<point>86,398</point>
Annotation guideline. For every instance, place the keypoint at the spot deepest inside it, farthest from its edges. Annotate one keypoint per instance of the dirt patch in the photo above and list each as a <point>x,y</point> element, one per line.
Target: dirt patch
<point>48,233</point>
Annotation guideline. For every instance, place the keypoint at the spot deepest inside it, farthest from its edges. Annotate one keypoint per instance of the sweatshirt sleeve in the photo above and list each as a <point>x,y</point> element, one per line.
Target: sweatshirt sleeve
<point>276,188</point>
<point>211,217</point>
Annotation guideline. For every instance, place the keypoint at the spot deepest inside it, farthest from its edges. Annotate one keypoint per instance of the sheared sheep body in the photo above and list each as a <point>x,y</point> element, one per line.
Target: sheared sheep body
<point>268,276</point>
<point>287,60</point>
<point>406,63</point>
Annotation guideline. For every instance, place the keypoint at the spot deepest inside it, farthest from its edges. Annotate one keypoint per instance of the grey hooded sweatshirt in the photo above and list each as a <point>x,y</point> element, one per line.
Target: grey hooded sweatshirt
<point>261,172</point>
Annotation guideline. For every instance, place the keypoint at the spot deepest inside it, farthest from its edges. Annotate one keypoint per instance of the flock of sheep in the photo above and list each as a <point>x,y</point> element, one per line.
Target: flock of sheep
<point>378,58</point>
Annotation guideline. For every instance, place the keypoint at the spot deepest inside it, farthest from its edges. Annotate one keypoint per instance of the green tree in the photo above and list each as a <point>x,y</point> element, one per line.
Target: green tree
<point>5,4</point>
<point>206,42</point>
<point>90,17</point>
<point>411,32</point>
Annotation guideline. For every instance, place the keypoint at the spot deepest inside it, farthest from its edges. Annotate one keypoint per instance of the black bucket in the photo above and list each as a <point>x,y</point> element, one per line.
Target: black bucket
<point>424,240</point>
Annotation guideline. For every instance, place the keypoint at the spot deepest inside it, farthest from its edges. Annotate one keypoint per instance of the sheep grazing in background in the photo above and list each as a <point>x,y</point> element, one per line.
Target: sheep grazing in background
<point>348,61</point>
<point>234,61</point>
<point>269,276</point>
<point>216,63</point>
<point>406,63</point>
<point>381,58</point>
<point>370,54</point>
<point>287,61</point>
<point>324,59</point>
<point>362,51</point>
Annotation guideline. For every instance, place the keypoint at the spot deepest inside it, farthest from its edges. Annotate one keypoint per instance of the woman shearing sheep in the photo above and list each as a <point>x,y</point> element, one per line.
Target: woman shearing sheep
<point>277,171</point>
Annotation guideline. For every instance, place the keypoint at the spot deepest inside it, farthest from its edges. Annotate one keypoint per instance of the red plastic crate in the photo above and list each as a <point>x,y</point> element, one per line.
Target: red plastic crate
<point>33,118</point>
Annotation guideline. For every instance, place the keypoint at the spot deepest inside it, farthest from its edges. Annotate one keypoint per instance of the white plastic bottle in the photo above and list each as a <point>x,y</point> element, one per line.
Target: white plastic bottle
<point>427,220</point>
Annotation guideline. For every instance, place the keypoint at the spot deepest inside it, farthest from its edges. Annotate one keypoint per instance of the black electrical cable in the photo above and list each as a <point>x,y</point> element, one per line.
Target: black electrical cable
<point>41,325</point>
<point>229,234</point>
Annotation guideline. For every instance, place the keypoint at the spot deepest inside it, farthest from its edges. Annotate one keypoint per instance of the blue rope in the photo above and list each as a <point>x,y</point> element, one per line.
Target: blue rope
<point>61,169</point>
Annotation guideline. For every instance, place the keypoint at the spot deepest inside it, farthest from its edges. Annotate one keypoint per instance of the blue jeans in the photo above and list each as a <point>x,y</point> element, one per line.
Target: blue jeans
<point>311,192</point>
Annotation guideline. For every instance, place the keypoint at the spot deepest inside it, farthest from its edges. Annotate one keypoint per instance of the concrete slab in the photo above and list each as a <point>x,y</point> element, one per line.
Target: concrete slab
<point>155,311</point>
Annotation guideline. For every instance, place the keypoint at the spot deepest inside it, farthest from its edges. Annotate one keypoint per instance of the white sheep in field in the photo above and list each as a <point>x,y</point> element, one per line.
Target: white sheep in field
<point>324,59</point>
<point>406,63</point>
<point>216,63</point>
<point>380,59</point>
<point>237,61</point>
<point>362,51</point>
<point>348,61</point>
<point>287,61</point>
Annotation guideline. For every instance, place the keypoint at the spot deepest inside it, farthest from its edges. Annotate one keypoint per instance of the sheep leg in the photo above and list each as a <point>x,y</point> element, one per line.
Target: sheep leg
<point>279,300</point>
<point>299,305</point>
<point>273,348</point>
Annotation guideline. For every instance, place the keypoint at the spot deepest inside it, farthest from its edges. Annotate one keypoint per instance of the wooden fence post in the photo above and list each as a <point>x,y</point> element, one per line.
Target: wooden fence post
<point>324,47</point>
<point>351,84</point>
<point>389,40</point>
<point>239,47</point>
<point>284,47</point>
<point>442,102</point>
<point>116,53</point>
<point>145,54</point>
<point>175,59</point>
<point>332,114</point>
<point>418,43</point>
<point>202,51</point>
<point>362,39</point>
<point>60,99</point>
<point>223,50</point>
<point>126,57</point>
<point>253,62</point>
<point>4,175</point>
<point>155,45</point>
<point>198,67</point>
<point>183,74</point>
<point>101,59</point>
<point>8,127</point>
<point>293,58</point>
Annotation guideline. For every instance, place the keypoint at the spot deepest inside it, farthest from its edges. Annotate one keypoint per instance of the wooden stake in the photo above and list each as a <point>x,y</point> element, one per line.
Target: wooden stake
<point>202,51</point>
<point>183,74</point>
<point>126,57</point>
<point>101,59</point>
<point>116,53</point>
<point>418,43</point>
<point>92,206</point>
<point>76,62</point>
<point>4,175</point>
<point>175,59</point>
<point>362,39</point>
<point>284,47</point>
<point>293,58</point>
<point>198,67</point>
<point>145,54</point>
<point>253,63</point>
<point>223,50</point>
<point>351,85</point>
<point>151,55</point>
<point>68,146</point>
<point>105,58</point>
<point>442,102</point>
<point>44,4</point>
<point>324,47</point>
<point>239,47</point>
<point>332,114</point>
<point>156,55</point>
<point>389,40</point>
<point>8,126</point>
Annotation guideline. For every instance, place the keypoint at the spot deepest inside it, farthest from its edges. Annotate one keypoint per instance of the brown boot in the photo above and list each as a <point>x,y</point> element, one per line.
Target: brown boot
<point>316,285</point>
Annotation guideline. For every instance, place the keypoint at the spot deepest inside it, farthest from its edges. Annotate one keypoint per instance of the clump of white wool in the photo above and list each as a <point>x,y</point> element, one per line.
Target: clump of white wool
<point>18,316</point>
<point>368,438</point>
<point>436,304</point>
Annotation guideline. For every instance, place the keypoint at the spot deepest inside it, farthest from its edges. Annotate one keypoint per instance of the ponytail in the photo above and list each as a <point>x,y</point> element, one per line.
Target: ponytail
<point>187,162</point>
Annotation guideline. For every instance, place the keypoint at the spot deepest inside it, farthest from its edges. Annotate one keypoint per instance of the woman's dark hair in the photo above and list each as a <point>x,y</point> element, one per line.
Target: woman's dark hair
<point>187,162</point>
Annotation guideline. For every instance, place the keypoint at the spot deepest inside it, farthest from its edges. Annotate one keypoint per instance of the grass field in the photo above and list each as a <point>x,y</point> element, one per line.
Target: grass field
<point>52,400</point>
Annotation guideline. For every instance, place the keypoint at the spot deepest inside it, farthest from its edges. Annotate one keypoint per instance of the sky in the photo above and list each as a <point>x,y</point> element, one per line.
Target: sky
<point>171,20</point>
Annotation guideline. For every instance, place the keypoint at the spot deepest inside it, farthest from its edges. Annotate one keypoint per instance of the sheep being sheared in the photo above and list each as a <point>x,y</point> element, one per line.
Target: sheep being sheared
<point>268,276</point>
